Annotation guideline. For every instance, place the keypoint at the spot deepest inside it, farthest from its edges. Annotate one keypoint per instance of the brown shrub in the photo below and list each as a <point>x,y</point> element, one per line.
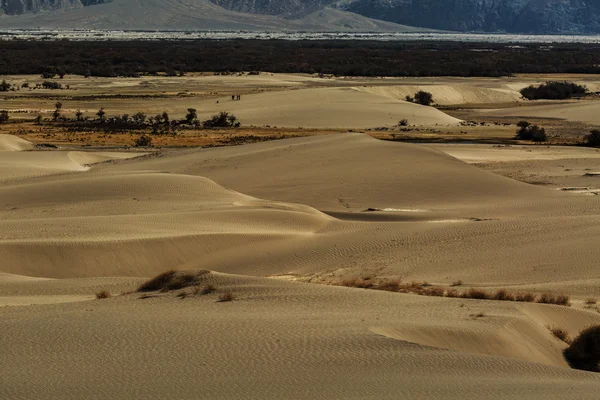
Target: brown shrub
<point>475,294</point>
<point>503,295</point>
<point>433,291</point>
<point>452,293</point>
<point>457,283</point>
<point>158,282</point>
<point>183,280</point>
<point>364,283</point>
<point>560,334</point>
<point>204,290</point>
<point>590,301</point>
<point>548,298</point>
<point>584,351</point>
<point>389,286</point>
<point>103,294</point>
<point>172,280</point>
<point>525,297</point>
<point>227,296</point>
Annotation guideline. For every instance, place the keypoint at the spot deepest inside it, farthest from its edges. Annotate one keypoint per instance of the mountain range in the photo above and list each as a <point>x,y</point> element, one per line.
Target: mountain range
<point>511,16</point>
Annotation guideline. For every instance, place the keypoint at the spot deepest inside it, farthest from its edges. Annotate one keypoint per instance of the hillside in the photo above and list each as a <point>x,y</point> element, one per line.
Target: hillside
<point>515,16</point>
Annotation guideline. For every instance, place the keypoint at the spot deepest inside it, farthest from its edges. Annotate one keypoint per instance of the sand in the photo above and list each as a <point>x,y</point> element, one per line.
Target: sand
<point>266,218</point>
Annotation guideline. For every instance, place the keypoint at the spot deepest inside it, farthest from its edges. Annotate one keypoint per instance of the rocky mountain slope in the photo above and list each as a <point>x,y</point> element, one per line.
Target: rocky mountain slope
<point>515,16</point>
<point>520,16</point>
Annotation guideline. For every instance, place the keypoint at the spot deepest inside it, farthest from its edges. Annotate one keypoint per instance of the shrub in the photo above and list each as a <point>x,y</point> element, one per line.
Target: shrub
<point>403,122</point>
<point>158,282</point>
<point>221,120</point>
<point>389,286</point>
<point>525,297</point>
<point>103,294</point>
<point>204,290</point>
<point>224,297</point>
<point>410,99</point>
<point>593,139</point>
<point>191,116</point>
<point>435,291</point>
<point>553,90</point>
<point>143,141</point>
<point>423,98</point>
<point>139,118</point>
<point>548,298</point>
<point>590,301</point>
<point>527,131</point>
<point>584,351</point>
<point>363,283</point>
<point>475,294</point>
<point>101,114</point>
<point>51,85</point>
<point>560,334</point>
<point>5,86</point>
<point>172,280</point>
<point>4,116</point>
<point>503,295</point>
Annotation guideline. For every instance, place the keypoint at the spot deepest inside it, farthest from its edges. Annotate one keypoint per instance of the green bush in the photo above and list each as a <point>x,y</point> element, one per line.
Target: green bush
<point>527,131</point>
<point>553,90</point>
<point>423,98</point>
<point>221,120</point>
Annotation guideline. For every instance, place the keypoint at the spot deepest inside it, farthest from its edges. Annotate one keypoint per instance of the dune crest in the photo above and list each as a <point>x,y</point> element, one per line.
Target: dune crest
<point>14,143</point>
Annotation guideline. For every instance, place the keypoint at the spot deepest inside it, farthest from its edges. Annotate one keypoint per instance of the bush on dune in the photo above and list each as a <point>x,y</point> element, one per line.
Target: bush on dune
<point>553,90</point>
<point>584,351</point>
<point>527,131</point>
<point>172,280</point>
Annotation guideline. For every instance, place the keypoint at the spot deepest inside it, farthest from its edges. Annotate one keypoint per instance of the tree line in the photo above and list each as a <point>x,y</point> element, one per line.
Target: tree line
<point>339,57</point>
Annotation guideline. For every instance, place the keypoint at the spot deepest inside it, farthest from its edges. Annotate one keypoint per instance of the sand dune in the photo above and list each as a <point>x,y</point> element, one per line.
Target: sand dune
<point>447,94</point>
<point>16,164</point>
<point>13,143</point>
<point>293,209</point>
<point>571,111</point>
<point>325,108</point>
<point>271,342</point>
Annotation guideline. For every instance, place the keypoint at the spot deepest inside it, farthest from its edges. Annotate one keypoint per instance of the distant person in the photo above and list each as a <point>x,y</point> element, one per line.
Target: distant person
<point>232,97</point>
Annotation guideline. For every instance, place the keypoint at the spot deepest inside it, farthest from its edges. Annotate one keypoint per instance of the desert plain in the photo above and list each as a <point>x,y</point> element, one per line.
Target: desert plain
<point>281,230</point>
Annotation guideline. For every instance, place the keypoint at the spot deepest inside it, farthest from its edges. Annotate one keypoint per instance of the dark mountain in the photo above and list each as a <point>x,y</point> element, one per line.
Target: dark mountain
<point>513,16</point>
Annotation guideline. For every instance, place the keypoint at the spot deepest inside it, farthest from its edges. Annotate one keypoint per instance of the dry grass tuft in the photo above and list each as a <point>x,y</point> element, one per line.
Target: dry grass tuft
<point>363,283</point>
<point>158,282</point>
<point>503,295</point>
<point>172,280</point>
<point>452,293</point>
<point>475,294</point>
<point>559,334</point>
<point>389,286</point>
<point>204,290</point>
<point>477,315</point>
<point>457,283</point>
<point>183,294</point>
<point>558,299</point>
<point>525,297</point>
<point>104,294</point>
<point>433,291</point>
<point>227,296</point>
<point>590,301</point>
